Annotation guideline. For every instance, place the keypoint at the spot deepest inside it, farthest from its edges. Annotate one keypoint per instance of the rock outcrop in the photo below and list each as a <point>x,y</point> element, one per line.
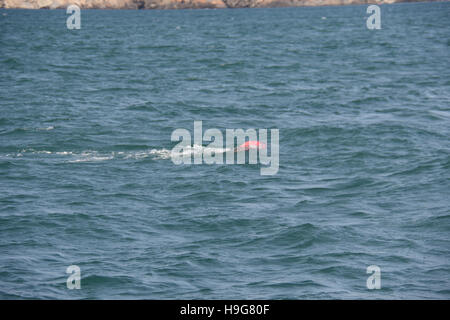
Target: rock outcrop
<point>178,4</point>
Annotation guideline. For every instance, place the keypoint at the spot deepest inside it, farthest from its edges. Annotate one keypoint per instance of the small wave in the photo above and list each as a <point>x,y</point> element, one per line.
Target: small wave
<point>46,128</point>
<point>445,115</point>
<point>25,130</point>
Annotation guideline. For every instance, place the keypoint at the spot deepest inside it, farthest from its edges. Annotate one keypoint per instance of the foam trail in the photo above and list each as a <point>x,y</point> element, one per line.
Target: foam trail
<point>95,156</point>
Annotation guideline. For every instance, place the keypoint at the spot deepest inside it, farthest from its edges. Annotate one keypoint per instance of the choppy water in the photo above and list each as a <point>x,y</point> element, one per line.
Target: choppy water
<point>364,118</point>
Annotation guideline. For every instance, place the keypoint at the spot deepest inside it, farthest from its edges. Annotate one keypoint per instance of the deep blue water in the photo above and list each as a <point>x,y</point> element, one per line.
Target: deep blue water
<point>364,122</point>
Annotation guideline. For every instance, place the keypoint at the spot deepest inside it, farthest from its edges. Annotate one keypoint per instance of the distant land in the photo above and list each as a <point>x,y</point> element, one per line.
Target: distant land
<point>180,4</point>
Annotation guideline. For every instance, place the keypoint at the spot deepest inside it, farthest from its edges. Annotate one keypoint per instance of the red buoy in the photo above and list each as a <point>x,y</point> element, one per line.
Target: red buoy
<point>251,145</point>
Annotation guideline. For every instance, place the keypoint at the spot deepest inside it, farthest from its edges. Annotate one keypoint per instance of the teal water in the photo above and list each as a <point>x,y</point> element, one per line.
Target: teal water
<point>364,120</point>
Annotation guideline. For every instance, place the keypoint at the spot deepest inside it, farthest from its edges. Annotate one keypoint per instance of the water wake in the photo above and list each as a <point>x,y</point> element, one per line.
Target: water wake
<point>95,156</point>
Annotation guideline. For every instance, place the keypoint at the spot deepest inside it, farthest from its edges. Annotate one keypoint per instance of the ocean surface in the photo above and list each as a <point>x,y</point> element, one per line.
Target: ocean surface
<point>86,118</point>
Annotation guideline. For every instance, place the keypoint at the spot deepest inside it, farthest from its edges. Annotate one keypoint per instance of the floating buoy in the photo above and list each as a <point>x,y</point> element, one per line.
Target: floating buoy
<point>251,145</point>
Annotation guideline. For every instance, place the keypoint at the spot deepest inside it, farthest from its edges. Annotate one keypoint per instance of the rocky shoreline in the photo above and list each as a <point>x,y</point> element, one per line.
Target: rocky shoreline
<point>179,4</point>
